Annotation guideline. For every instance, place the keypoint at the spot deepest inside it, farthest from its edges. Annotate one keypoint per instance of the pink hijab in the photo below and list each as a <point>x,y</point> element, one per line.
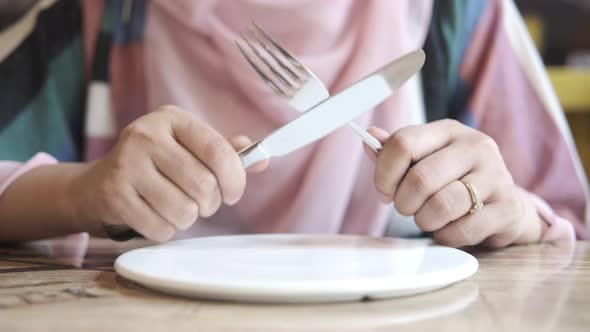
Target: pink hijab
<point>326,187</point>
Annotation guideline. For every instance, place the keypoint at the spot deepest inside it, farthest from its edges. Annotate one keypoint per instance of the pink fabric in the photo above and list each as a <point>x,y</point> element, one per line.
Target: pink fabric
<point>10,171</point>
<point>558,229</point>
<point>507,107</point>
<point>326,187</point>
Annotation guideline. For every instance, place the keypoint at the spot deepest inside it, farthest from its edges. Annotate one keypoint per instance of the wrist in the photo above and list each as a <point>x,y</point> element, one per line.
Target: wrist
<point>38,204</point>
<point>76,200</point>
<point>71,196</point>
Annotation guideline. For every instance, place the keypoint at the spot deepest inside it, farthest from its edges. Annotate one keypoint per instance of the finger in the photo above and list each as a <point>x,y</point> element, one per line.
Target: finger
<point>472,229</point>
<point>169,201</point>
<point>408,145</point>
<point>149,223</point>
<point>517,223</point>
<point>129,208</point>
<point>431,174</point>
<point>453,201</point>
<point>381,135</point>
<point>215,152</point>
<point>242,142</point>
<point>190,175</point>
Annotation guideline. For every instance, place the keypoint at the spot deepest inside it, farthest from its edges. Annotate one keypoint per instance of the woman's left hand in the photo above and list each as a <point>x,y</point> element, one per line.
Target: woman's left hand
<point>421,169</point>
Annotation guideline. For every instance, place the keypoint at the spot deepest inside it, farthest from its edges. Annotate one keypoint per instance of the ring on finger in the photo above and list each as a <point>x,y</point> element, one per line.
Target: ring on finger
<point>476,203</point>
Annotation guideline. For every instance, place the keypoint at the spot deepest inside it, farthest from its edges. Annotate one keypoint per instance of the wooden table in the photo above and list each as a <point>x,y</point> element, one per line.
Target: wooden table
<point>530,288</point>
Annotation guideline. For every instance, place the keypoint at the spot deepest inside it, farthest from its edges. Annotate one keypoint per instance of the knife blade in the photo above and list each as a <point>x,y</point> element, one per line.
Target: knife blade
<point>336,111</point>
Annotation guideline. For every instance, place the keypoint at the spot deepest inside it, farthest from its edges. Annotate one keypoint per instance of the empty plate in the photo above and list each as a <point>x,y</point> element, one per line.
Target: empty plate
<point>295,268</point>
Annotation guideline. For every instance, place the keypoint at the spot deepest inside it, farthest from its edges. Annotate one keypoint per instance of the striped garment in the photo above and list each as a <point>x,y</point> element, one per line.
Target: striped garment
<point>72,76</point>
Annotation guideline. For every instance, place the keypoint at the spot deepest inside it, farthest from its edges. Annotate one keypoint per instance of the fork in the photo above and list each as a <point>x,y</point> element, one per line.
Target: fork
<point>288,78</point>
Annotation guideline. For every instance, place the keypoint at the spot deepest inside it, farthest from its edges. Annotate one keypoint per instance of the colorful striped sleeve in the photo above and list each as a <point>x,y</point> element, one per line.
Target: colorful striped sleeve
<point>42,83</point>
<point>511,99</point>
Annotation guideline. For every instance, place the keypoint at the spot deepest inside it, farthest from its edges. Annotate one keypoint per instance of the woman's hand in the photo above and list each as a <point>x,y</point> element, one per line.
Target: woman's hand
<point>167,169</point>
<point>420,168</point>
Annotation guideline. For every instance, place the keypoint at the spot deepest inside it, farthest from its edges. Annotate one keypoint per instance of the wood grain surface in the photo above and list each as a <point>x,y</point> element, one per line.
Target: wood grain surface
<point>541,287</point>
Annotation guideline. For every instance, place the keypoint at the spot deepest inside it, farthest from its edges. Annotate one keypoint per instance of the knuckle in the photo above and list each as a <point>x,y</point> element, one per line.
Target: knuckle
<point>169,109</point>
<point>206,184</point>
<point>174,114</point>
<point>138,132</point>
<point>487,143</point>
<point>419,180</point>
<point>399,143</point>
<point>441,206</point>
<point>217,150</point>
<point>451,123</point>
<point>424,222</point>
<point>189,215</point>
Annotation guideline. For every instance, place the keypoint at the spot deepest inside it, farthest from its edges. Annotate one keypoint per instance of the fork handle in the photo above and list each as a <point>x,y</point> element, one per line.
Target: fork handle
<point>371,141</point>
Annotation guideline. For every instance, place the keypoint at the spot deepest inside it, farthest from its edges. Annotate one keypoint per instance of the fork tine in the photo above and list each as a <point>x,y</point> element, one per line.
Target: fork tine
<point>261,73</point>
<point>268,65</point>
<point>283,51</point>
<point>279,59</point>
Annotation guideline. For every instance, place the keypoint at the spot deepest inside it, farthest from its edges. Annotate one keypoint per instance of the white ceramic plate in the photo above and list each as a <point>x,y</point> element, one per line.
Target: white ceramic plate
<point>295,268</point>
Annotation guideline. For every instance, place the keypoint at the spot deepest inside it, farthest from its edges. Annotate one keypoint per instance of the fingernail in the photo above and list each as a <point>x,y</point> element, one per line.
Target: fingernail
<point>383,198</point>
<point>379,133</point>
<point>234,201</point>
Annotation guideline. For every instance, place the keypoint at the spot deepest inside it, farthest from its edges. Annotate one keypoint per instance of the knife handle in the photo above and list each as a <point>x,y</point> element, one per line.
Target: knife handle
<point>121,233</point>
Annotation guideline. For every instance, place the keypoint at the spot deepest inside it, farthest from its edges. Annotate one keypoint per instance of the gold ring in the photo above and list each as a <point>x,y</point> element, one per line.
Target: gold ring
<point>476,203</point>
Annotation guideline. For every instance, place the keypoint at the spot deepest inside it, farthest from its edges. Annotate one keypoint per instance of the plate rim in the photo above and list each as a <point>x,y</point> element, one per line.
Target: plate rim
<point>225,290</point>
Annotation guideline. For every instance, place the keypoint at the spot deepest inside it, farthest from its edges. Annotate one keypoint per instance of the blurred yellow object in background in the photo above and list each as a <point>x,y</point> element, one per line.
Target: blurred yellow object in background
<point>572,84</point>
<point>536,29</point>
<point>573,87</point>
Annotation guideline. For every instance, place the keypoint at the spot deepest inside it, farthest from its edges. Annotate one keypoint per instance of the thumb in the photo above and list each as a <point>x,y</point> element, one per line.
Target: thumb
<point>381,135</point>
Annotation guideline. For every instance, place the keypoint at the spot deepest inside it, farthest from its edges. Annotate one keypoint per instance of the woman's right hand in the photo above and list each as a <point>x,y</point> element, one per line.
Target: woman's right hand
<point>167,169</point>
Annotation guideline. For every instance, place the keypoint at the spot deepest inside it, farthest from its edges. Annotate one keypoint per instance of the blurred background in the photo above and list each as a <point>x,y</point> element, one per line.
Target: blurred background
<point>561,31</point>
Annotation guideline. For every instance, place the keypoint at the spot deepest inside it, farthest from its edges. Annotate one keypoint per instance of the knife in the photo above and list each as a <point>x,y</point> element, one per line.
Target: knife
<point>335,111</point>
<point>321,120</point>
